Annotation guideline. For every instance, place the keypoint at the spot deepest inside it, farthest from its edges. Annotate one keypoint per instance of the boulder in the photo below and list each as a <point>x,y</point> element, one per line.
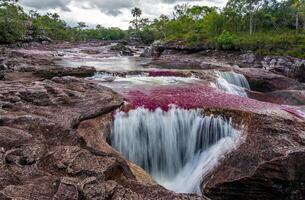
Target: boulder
<point>153,51</point>
<point>264,81</point>
<point>122,49</point>
<point>248,57</point>
<point>285,65</point>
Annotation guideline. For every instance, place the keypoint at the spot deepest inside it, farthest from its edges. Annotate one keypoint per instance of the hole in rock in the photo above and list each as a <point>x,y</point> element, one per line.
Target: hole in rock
<point>178,147</point>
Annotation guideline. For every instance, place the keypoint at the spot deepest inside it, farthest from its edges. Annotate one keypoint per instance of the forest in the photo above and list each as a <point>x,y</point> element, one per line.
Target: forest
<point>264,26</point>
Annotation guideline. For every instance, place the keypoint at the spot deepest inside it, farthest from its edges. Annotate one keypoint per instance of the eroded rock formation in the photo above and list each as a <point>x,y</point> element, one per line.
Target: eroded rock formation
<point>52,145</point>
<point>54,127</point>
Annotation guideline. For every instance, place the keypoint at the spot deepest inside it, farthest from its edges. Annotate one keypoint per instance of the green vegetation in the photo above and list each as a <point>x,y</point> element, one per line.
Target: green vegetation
<point>16,25</point>
<point>264,26</point>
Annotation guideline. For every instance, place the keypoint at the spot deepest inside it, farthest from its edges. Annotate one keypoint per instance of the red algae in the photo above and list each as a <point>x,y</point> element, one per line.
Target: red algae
<point>293,111</point>
<point>192,97</point>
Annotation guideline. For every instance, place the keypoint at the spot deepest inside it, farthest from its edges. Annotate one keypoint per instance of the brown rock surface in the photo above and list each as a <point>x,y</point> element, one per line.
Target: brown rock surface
<point>52,144</point>
<point>265,81</point>
<point>94,132</point>
<point>268,164</point>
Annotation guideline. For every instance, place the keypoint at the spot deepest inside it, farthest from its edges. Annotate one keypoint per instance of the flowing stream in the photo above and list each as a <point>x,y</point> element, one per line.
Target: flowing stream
<point>178,147</point>
<point>233,83</point>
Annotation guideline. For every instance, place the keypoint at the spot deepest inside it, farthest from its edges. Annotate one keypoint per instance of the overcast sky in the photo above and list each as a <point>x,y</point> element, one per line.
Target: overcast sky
<point>109,13</point>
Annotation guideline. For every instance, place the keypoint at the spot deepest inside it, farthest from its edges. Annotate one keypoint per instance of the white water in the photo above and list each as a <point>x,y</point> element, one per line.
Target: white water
<point>178,148</point>
<point>146,80</point>
<point>233,83</point>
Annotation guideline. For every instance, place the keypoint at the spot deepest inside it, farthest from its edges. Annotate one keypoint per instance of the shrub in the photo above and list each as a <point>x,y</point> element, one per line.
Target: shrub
<point>225,40</point>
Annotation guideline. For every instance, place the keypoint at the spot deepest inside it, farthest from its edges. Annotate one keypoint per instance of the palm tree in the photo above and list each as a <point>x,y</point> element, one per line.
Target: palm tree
<point>136,13</point>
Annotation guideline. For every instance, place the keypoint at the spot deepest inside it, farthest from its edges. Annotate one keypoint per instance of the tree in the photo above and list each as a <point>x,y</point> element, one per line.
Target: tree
<point>5,2</point>
<point>246,8</point>
<point>180,11</point>
<point>81,25</point>
<point>13,22</point>
<point>34,14</point>
<point>298,6</point>
<point>136,13</point>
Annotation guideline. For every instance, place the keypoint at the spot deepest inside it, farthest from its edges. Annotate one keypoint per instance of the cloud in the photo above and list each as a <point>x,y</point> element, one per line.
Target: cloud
<point>46,4</point>
<point>109,12</point>
<point>112,7</point>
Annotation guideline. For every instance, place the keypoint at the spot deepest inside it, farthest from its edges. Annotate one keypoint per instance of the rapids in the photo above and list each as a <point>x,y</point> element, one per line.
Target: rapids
<point>233,83</point>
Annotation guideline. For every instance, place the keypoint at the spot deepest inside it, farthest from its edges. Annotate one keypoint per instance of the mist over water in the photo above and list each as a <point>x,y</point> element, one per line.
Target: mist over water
<point>178,147</point>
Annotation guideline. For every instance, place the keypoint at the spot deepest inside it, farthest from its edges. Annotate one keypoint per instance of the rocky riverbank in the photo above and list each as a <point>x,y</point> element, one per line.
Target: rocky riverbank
<point>276,79</point>
<point>55,123</point>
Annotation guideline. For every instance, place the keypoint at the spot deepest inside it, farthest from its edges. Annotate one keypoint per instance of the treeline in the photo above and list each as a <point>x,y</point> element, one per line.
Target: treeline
<point>18,26</point>
<point>264,26</point>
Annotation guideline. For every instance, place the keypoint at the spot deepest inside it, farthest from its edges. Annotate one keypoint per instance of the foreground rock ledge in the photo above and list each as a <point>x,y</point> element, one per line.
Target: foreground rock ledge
<point>269,163</point>
<point>46,154</point>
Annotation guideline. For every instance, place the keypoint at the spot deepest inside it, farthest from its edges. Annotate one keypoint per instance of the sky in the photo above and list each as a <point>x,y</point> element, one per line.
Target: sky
<point>109,13</point>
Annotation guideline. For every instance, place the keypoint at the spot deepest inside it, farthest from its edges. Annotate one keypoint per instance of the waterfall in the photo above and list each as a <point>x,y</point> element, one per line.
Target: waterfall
<point>233,83</point>
<point>178,147</point>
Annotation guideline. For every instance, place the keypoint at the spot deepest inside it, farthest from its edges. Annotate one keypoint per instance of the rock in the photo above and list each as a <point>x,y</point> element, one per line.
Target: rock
<point>41,188</point>
<point>287,66</point>
<point>154,50</point>
<point>90,51</point>
<point>3,50</point>
<point>267,164</point>
<point>11,137</point>
<point>51,72</point>
<point>287,97</point>
<point>248,58</point>
<point>2,75</point>
<point>122,49</point>
<point>53,144</point>
<point>264,81</point>
<point>95,134</point>
<point>3,67</point>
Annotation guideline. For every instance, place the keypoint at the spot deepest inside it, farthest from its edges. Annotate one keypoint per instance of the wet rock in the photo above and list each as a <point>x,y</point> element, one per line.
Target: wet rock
<point>122,49</point>
<point>154,50</point>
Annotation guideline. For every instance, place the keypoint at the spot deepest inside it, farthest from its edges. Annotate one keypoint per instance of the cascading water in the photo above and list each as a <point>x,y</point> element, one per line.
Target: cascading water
<point>233,83</point>
<point>178,147</point>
